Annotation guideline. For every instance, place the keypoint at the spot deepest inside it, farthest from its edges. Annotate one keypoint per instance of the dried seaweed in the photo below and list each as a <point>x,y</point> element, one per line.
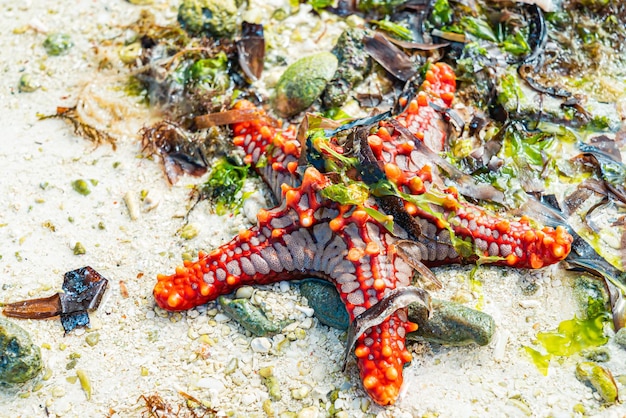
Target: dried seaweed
<point>157,407</point>
<point>81,128</point>
<point>182,151</point>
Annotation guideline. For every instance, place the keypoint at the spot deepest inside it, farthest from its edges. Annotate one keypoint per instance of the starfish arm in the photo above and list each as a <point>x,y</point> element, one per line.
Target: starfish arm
<point>381,355</point>
<point>272,152</point>
<point>495,239</point>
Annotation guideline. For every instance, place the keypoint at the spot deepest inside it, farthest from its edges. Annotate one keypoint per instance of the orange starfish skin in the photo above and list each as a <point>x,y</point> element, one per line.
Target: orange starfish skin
<point>309,235</point>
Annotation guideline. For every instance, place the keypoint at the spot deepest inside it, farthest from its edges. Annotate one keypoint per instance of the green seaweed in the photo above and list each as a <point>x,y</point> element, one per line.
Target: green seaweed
<point>572,336</point>
<point>223,187</point>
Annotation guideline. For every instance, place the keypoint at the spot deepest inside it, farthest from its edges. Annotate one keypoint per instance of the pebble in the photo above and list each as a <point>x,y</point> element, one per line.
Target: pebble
<point>250,317</point>
<point>500,348</point>
<point>244,292</point>
<point>306,310</point>
<point>58,392</point>
<point>210,383</point>
<point>301,392</point>
<point>260,345</point>
<point>284,286</point>
<point>599,378</point>
<point>307,323</point>
<point>324,299</point>
<point>132,203</point>
<point>309,412</point>
<point>451,323</point>
<point>220,317</point>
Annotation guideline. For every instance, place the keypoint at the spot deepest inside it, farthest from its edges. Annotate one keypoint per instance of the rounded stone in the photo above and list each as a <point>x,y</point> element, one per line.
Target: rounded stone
<point>20,359</point>
<point>302,83</point>
<point>260,345</point>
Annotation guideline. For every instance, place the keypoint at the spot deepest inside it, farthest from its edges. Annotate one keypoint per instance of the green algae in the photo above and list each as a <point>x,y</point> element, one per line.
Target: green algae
<point>572,336</point>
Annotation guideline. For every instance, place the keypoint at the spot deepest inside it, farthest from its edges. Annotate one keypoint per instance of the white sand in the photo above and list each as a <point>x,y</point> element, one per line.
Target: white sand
<point>143,350</point>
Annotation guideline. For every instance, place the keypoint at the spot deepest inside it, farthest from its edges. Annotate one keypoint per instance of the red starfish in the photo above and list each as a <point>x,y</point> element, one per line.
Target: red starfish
<point>311,235</point>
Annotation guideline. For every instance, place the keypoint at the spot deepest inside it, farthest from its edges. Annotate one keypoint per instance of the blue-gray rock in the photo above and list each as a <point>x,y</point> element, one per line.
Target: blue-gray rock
<point>20,359</point>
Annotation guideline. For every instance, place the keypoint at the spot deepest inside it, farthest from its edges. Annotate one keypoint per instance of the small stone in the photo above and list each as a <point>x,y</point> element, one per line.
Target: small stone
<point>599,378</point>
<point>92,338</point>
<point>244,292</point>
<point>210,383</point>
<point>309,412</point>
<point>220,317</point>
<point>309,312</point>
<point>58,392</point>
<point>307,323</point>
<point>500,348</point>
<point>132,204</point>
<point>302,83</point>
<point>284,286</point>
<point>260,345</point>
<point>273,388</point>
<point>301,392</point>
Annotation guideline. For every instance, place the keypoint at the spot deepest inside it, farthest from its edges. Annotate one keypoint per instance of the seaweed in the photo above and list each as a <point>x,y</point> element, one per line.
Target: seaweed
<point>82,128</point>
<point>223,187</point>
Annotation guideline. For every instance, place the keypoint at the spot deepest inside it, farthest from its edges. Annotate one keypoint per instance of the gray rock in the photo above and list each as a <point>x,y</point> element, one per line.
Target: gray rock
<point>354,65</point>
<point>451,324</point>
<point>20,359</point>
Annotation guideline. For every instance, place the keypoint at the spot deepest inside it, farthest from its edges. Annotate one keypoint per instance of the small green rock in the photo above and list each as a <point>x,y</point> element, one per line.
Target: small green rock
<point>208,17</point>
<point>20,359</point>
<point>79,249</point>
<point>58,44</point>
<point>189,231</point>
<point>303,82</point>
<point>92,339</point>
<point>250,317</point>
<point>27,84</point>
<point>273,387</point>
<point>81,187</point>
<point>599,379</point>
